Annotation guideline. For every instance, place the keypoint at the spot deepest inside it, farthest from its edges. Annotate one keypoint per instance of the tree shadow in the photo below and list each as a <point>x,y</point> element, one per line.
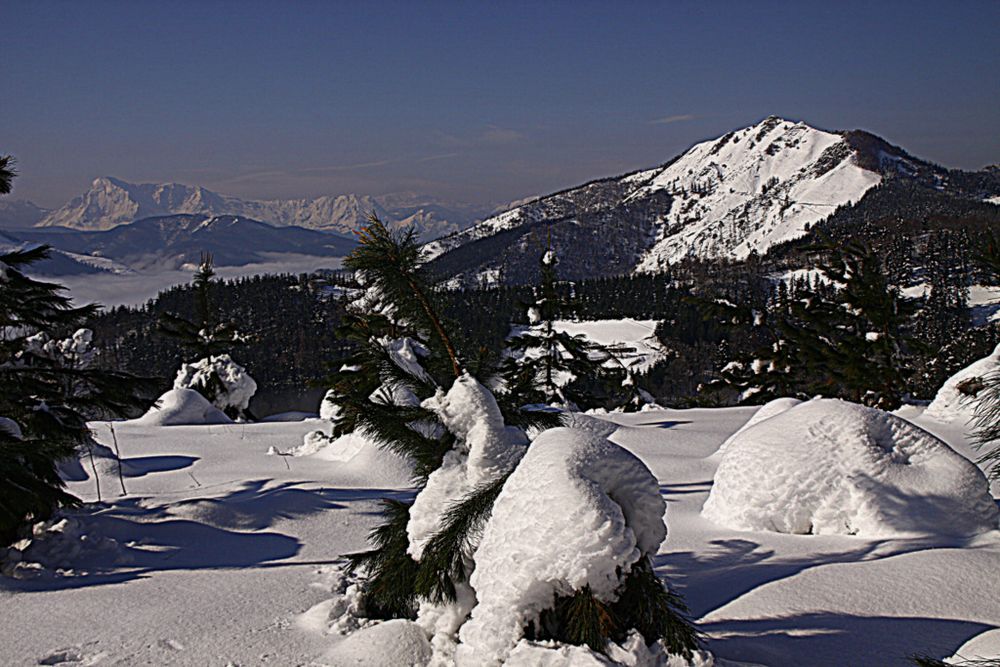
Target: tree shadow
<point>140,466</point>
<point>233,531</point>
<point>666,423</point>
<point>730,568</point>
<point>822,639</point>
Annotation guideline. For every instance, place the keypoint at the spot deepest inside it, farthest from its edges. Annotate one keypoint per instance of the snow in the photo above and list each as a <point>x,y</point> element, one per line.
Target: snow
<point>485,449</point>
<point>182,407</point>
<point>223,550</point>
<point>827,466</point>
<point>602,513</point>
<point>953,405</point>
<point>739,214</point>
<point>239,386</point>
<point>396,642</point>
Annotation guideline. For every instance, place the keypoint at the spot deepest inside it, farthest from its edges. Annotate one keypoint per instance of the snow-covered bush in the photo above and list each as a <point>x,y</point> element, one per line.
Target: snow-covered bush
<point>829,466</point>
<point>221,380</point>
<point>602,521</point>
<point>179,407</point>
<point>956,402</point>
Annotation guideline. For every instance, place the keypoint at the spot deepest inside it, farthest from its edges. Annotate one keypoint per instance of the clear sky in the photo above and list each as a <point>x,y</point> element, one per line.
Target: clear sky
<point>482,102</point>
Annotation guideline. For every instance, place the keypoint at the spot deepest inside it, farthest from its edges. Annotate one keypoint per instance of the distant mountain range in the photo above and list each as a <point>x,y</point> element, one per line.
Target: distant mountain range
<point>173,241</point>
<point>723,199</point>
<point>110,202</point>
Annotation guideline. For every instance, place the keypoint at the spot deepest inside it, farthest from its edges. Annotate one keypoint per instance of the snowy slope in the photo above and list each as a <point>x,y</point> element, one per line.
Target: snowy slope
<point>750,190</point>
<point>222,555</point>
<point>110,202</point>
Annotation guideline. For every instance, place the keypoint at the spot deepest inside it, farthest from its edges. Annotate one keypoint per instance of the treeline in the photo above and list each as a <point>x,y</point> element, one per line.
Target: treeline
<point>286,324</point>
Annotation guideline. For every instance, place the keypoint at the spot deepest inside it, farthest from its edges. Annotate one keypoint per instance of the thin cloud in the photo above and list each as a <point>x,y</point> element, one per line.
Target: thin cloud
<point>679,118</point>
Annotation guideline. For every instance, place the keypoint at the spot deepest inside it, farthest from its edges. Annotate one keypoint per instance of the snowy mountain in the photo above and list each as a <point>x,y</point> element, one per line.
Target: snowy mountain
<point>19,213</point>
<point>172,241</point>
<point>722,199</point>
<point>110,202</point>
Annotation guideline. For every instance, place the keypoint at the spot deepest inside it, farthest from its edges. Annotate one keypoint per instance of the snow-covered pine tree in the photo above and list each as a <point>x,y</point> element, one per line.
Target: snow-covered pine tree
<point>49,391</point>
<point>844,337</point>
<point>406,388</point>
<point>546,366</point>
<point>210,339</point>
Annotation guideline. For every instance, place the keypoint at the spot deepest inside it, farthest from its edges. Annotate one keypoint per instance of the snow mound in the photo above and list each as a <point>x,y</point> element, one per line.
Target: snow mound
<point>984,646</point>
<point>182,406</point>
<point>768,410</point>
<point>397,642</point>
<point>603,512</point>
<point>633,653</point>
<point>56,546</point>
<point>355,455</point>
<point>828,466</point>
<point>955,401</point>
<point>237,386</point>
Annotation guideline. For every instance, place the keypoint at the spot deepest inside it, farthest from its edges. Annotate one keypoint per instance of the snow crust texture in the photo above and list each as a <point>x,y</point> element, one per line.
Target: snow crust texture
<point>955,401</point>
<point>827,466</point>
<point>603,511</point>
<point>239,386</point>
<point>182,406</point>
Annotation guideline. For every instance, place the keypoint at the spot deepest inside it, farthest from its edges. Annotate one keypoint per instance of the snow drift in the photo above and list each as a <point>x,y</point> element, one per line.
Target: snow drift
<point>603,512</point>
<point>182,406</point>
<point>955,401</point>
<point>829,466</point>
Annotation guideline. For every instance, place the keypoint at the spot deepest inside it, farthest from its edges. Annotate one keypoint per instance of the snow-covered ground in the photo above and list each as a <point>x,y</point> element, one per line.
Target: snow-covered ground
<point>223,555</point>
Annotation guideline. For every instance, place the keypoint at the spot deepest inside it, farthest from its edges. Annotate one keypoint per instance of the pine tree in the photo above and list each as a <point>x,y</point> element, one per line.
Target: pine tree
<point>404,355</point>
<point>48,396</point>
<point>853,344</point>
<point>844,337</point>
<point>205,335</point>
<point>548,366</point>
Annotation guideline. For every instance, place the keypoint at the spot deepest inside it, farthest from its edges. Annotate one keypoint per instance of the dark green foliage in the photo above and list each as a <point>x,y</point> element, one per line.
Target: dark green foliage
<point>443,561</point>
<point>50,395</point>
<point>579,618</point>
<point>647,605</point>
<point>390,573</point>
<point>7,173</point>
<point>846,338</point>
<point>390,262</point>
<point>644,604</point>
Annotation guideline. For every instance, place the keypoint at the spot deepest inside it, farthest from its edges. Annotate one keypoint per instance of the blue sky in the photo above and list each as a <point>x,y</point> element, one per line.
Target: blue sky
<point>481,102</point>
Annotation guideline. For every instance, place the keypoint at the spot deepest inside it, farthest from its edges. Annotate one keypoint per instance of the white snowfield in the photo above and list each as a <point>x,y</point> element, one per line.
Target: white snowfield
<point>221,555</point>
<point>955,401</point>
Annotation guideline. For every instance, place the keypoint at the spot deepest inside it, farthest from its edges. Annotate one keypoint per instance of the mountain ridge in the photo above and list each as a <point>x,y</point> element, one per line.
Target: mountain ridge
<point>723,199</point>
<point>110,202</point>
